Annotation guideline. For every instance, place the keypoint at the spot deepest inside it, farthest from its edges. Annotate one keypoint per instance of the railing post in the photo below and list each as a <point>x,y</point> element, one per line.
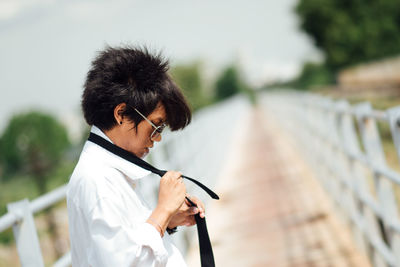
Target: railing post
<point>394,122</point>
<point>376,157</point>
<point>334,156</point>
<point>25,235</point>
<point>315,139</point>
<point>352,173</point>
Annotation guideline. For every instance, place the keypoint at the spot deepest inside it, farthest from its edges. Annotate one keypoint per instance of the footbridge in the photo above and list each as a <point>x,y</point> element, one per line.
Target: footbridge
<point>304,180</point>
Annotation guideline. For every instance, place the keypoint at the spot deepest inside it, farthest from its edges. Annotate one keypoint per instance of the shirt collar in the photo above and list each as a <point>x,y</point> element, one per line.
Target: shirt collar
<point>130,170</point>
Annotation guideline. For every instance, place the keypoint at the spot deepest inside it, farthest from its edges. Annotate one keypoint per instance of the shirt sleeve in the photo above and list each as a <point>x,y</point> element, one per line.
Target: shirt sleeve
<point>115,242</point>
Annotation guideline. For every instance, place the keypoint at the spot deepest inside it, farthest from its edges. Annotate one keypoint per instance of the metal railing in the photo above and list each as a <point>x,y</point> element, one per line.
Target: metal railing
<point>343,145</point>
<point>203,143</point>
<point>20,217</point>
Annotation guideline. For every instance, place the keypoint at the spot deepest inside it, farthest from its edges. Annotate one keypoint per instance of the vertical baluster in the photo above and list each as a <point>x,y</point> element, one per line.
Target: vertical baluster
<point>342,167</point>
<point>352,172</point>
<point>25,234</point>
<point>315,137</point>
<point>374,153</point>
<point>330,143</point>
<point>391,211</point>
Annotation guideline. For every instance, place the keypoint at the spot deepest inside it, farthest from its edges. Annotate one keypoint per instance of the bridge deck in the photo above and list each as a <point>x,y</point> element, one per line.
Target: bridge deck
<point>272,211</point>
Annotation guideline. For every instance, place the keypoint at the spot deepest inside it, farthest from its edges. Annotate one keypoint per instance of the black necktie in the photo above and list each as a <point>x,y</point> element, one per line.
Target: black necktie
<point>206,253</point>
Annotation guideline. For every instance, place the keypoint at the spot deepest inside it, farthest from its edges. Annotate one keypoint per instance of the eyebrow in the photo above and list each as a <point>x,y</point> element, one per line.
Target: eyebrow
<point>158,121</point>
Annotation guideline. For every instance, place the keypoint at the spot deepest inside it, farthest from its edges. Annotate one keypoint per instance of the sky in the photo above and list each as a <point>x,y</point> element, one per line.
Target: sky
<point>46,46</point>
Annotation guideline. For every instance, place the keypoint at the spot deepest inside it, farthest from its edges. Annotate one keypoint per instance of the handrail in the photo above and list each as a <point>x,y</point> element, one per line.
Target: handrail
<point>343,144</point>
<point>37,205</point>
<point>20,217</point>
<point>7,220</point>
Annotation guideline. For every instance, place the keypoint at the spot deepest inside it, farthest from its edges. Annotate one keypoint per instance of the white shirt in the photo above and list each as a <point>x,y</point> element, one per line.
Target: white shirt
<point>107,215</point>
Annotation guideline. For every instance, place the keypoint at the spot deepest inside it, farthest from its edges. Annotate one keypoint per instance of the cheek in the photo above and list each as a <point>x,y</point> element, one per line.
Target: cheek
<point>133,146</point>
<point>130,140</point>
<point>143,134</point>
<point>138,141</point>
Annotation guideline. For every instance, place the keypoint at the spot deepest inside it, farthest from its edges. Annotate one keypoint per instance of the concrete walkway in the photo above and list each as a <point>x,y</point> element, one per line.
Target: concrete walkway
<point>272,211</point>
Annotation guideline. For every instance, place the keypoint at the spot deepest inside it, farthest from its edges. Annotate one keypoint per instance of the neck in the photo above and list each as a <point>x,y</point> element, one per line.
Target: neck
<point>112,134</point>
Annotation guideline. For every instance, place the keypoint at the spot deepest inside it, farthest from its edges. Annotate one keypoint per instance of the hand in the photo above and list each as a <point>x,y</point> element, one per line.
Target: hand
<point>198,203</point>
<point>185,214</point>
<point>172,192</point>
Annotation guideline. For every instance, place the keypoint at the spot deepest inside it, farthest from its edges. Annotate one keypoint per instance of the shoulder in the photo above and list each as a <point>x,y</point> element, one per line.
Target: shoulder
<point>92,180</point>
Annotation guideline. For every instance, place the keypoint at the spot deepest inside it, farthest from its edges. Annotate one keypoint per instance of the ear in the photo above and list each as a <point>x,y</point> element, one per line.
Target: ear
<point>118,113</point>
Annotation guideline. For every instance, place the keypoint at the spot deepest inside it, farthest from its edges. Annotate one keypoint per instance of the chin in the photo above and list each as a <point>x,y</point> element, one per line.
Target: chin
<point>144,154</point>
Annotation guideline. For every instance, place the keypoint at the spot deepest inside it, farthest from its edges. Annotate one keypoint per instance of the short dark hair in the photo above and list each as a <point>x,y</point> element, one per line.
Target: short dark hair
<point>134,76</point>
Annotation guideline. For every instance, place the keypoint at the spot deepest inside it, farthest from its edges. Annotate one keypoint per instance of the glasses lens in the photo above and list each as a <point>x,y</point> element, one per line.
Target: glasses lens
<point>157,131</point>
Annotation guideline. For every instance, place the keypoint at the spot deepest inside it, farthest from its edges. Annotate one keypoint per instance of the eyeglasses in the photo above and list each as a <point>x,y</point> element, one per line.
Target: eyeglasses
<point>157,129</point>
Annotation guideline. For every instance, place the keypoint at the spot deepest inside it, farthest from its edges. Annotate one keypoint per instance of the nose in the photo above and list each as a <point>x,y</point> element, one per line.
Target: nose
<point>157,138</point>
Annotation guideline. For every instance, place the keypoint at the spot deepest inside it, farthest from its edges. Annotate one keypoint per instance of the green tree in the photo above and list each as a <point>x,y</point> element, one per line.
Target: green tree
<point>313,75</point>
<point>33,143</point>
<point>228,83</point>
<point>189,78</point>
<point>352,31</point>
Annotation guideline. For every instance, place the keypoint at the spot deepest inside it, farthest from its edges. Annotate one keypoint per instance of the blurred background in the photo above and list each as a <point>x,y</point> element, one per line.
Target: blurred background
<point>217,50</point>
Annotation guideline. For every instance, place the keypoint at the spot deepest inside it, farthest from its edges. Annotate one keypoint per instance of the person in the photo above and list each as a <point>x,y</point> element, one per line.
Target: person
<point>128,99</point>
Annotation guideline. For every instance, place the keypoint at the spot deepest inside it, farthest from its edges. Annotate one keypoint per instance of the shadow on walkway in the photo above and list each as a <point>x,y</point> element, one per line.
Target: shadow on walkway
<point>272,211</point>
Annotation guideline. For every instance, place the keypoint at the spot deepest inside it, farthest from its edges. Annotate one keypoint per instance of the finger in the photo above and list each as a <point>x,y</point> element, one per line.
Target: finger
<point>187,202</point>
<point>173,174</point>
<point>184,207</point>
<point>179,179</point>
<point>193,210</point>
<point>190,221</point>
<point>200,205</point>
